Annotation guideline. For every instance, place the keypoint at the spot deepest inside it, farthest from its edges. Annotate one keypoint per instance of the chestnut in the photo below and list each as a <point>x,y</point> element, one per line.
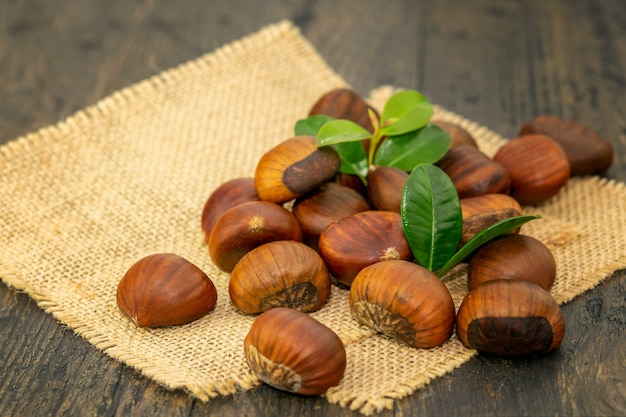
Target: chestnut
<point>293,168</point>
<point>459,135</point>
<point>537,166</point>
<point>323,206</point>
<point>385,185</point>
<point>513,257</point>
<point>165,289</point>
<point>246,226</point>
<point>284,273</point>
<point>359,240</point>
<point>227,195</point>
<point>291,351</point>
<point>344,103</point>
<point>588,153</point>
<point>485,210</point>
<point>404,301</point>
<point>510,318</point>
<point>473,172</point>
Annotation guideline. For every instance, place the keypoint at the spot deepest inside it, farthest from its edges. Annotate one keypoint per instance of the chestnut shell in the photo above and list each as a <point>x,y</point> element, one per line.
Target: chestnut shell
<point>323,206</point>
<point>510,318</point>
<point>404,301</point>
<point>588,153</point>
<point>293,168</point>
<point>291,351</point>
<point>513,257</point>
<point>228,195</point>
<point>247,226</point>
<point>359,240</point>
<point>473,172</point>
<point>279,274</point>
<point>537,166</point>
<point>165,289</point>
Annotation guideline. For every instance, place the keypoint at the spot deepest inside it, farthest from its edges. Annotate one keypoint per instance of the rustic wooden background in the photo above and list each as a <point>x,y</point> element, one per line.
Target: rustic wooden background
<point>497,62</point>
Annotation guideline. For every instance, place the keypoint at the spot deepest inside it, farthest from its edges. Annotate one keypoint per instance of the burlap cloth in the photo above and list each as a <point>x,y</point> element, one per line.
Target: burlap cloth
<point>84,199</point>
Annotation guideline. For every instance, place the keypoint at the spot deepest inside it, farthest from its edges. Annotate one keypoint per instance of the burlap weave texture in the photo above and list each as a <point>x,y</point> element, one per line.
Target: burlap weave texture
<point>84,199</point>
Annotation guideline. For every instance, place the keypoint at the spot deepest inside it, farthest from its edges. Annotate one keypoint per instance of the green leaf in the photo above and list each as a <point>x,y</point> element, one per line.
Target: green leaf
<point>353,158</point>
<point>424,146</point>
<point>339,131</point>
<point>404,112</point>
<point>311,125</point>
<point>431,216</point>
<point>492,232</point>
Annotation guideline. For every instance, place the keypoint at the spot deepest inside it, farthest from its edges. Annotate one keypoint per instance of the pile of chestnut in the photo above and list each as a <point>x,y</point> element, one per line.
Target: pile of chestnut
<point>299,226</point>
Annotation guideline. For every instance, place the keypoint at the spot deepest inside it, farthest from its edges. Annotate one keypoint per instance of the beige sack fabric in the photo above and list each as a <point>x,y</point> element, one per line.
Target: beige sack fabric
<point>128,177</point>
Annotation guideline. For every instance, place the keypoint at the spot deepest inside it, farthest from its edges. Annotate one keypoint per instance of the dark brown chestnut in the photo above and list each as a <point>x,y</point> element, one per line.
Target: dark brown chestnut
<point>323,206</point>
<point>473,172</point>
<point>510,318</point>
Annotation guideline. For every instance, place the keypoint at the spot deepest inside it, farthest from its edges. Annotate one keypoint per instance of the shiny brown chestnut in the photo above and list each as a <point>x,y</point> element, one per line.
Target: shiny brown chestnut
<point>344,103</point>
<point>510,318</point>
<point>165,289</point>
<point>227,195</point>
<point>293,168</point>
<point>459,135</point>
<point>473,172</point>
<point>404,301</point>
<point>359,240</point>
<point>513,257</point>
<point>483,211</point>
<point>291,351</point>
<point>247,226</point>
<point>385,185</point>
<point>588,153</point>
<point>284,273</point>
<point>323,206</point>
<point>537,166</point>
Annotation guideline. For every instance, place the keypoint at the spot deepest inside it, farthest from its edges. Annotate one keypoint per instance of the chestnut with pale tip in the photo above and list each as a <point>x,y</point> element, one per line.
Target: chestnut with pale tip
<point>279,274</point>
<point>510,318</point>
<point>404,301</point>
<point>165,289</point>
<point>247,226</point>
<point>359,240</point>
<point>291,351</point>
<point>293,168</point>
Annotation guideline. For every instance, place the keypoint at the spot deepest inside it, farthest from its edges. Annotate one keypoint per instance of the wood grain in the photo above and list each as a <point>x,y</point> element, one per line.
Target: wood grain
<point>497,63</point>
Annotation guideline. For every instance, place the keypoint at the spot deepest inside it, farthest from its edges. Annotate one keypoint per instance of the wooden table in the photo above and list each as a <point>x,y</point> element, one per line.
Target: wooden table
<point>495,62</point>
